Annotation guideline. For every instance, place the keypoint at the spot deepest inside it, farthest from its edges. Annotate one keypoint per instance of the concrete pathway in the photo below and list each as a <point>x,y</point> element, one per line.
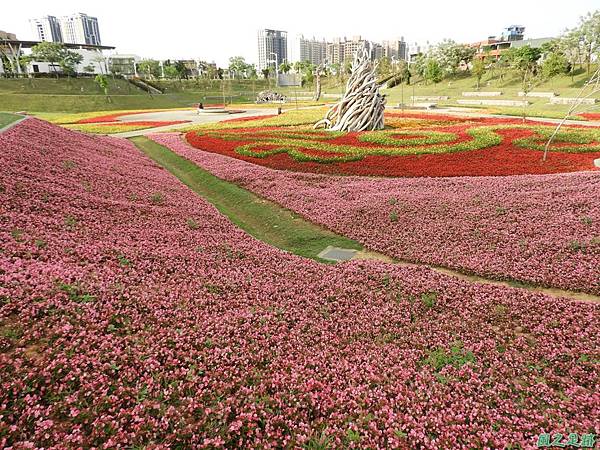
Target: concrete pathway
<point>188,114</point>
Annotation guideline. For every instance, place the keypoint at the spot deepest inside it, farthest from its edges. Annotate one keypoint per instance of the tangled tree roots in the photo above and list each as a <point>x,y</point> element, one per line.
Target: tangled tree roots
<point>362,106</point>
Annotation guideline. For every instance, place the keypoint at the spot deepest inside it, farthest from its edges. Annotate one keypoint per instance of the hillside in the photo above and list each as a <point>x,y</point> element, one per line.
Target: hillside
<point>82,94</point>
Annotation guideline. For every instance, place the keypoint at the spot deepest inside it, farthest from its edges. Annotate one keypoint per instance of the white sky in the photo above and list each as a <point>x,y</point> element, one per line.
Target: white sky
<point>214,30</point>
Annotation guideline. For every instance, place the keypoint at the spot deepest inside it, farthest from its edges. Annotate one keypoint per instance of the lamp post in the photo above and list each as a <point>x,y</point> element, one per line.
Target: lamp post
<point>276,68</point>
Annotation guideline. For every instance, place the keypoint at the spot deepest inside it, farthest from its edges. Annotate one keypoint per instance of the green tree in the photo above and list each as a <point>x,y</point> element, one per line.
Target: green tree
<point>149,68</point>
<point>384,66</point>
<point>419,65</point>
<point>182,70</point>
<point>450,56</point>
<point>433,71</point>
<point>478,70</point>
<point>406,73</point>
<point>102,81</point>
<point>555,62</point>
<point>590,37</point>
<point>266,72</point>
<point>171,72</point>
<point>285,67</point>
<point>56,53</point>
<point>524,60</point>
<point>69,61</point>
<point>238,66</point>
<point>252,73</point>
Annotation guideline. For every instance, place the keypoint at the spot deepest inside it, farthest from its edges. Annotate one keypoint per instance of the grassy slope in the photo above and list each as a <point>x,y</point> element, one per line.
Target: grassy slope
<point>262,219</point>
<point>510,85</point>
<point>80,95</point>
<point>7,118</point>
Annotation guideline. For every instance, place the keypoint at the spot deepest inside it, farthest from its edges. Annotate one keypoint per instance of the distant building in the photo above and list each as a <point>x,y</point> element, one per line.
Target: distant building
<point>313,50</point>
<point>46,29</point>
<point>272,48</point>
<point>415,49</point>
<point>512,37</point>
<point>395,49</point>
<point>13,50</point>
<point>513,33</point>
<point>351,47</point>
<point>125,65</point>
<point>80,29</point>
<point>533,43</point>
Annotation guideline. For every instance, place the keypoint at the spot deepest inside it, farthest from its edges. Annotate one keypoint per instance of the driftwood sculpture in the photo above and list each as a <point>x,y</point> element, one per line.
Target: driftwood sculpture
<point>362,106</point>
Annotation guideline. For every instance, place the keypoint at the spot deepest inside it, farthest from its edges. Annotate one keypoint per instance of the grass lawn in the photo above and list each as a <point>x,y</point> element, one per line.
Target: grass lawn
<point>7,118</point>
<point>262,219</point>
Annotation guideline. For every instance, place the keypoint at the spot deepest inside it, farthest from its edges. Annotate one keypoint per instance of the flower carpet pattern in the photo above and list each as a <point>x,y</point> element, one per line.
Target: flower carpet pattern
<point>543,229</point>
<point>414,145</point>
<point>133,314</point>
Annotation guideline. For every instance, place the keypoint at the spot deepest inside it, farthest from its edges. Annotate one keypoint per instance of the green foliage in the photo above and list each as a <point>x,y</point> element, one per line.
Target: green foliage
<point>450,56</point>
<point>239,67</point>
<point>285,67</point>
<point>433,71</point>
<point>555,64</point>
<point>524,60</point>
<point>123,261</point>
<point>157,198</point>
<point>457,356</point>
<point>149,68</point>
<point>171,72</point>
<point>102,81</point>
<point>76,293</point>
<point>56,53</point>
<point>429,299</point>
<point>587,37</point>
<point>192,224</point>
<point>478,70</point>
<point>384,66</point>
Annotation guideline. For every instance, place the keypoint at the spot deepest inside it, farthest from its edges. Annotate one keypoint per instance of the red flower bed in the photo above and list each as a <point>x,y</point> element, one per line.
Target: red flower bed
<point>503,159</point>
<point>590,116</point>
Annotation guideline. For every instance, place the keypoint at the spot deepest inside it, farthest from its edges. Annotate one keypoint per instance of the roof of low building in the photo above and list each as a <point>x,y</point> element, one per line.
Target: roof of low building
<point>29,44</point>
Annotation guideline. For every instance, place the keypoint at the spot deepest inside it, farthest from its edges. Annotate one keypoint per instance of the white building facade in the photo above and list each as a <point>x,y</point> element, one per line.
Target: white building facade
<point>272,48</point>
<point>46,29</point>
<point>80,29</point>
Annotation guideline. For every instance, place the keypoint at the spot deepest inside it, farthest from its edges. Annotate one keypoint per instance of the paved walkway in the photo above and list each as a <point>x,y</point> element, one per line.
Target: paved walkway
<point>188,114</point>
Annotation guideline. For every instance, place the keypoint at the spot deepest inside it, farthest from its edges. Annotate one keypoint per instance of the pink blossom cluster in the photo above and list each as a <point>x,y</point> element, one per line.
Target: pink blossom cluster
<point>133,314</point>
<point>541,229</point>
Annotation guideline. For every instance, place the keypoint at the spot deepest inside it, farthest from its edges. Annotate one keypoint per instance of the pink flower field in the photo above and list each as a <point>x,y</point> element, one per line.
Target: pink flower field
<point>134,315</point>
<point>541,229</point>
